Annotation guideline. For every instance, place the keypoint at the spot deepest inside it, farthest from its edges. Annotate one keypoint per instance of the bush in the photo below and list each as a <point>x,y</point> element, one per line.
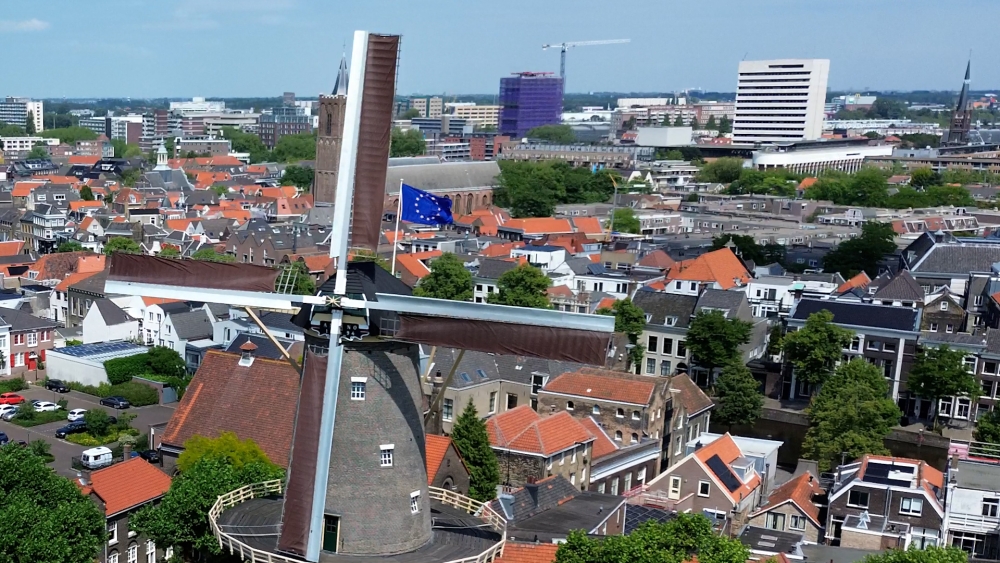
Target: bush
<point>121,370</point>
<point>63,404</point>
<point>25,420</point>
<point>98,422</point>
<point>137,393</point>
<point>12,385</point>
<point>84,439</point>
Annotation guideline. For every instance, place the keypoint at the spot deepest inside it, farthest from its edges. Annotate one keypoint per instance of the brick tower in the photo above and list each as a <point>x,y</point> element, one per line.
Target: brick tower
<point>329,138</point>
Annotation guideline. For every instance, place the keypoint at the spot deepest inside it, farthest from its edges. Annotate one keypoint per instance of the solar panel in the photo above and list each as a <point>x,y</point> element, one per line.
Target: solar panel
<point>466,378</point>
<point>722,471</point>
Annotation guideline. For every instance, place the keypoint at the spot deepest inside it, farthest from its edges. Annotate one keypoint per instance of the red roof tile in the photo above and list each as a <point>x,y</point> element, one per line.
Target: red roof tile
<point>603,444</point>
<point>522,429</point>
<point>604,384</point>
<point>799,491</point>
<point>690,395</point>
<point>11,247</point>
<point>719,266</point>
<point>540,225</point>
<point>528,553</point>
<point>861,280</point>
<point>727,450</point>
<point>128,484</point>
<point>657,259</point>
<point>436,449</point>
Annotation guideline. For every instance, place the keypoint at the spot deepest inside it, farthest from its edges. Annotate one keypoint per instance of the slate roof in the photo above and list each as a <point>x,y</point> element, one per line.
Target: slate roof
<point>720,299</point>
<point>493,268</point>
<point>552,507</point>
<point>901,287</point>
<point>663,305</point>
<point>993,341</point>
<point>265,349</point>
<point>128,484</point>
<point>111,313</point>
<point>960,258</point>
<point>192,325</point>
<point>861,314</point>
<point>255,402</point>
<point>278,320</point>
<point>19,320</point>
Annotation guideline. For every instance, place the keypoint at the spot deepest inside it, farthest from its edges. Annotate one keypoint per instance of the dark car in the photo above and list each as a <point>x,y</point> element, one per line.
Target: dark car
<point>57,386</point>
<point>152,456</point>
<point>4,440</point>
<point>115,402</point>
<point>75,427</point>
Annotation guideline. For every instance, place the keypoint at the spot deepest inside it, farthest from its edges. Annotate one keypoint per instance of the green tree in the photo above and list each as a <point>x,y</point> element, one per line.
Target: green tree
<point>714,340</point>
<point>988,428</point>
<point>410,143</point>
<point>302,284</point>
<point>86,194</point>
<point>672,154</point>
<point>298,176</point>
<point>814,349</point>
<point>745,244</point>
<point>850,416</point>
<point>228,446</point>
<point>630,320</point>
<point>180,519</point>
<point>775,340</point>
<point>694,123</point>
<point>69,246</point>
<point>220,190</point>
<point>448,280</point>
<point>940,372</point>
<point>209,254</point>
<point>38,152</point>
<point>722,170</point>
<point>410,113</point>
<point>8,130</point>
<point>886,108</point>
<point>711,125</point>
<point>685,537</point>
<point>169,251</point>
<point>679,122</point>
<point>561,134</point>
<point>725,126</point>
<point>625,221</point>
<point>924,177</point>
<point>98,422</point>
<point>245,142</point>
<point>29,124</point>
<point>122,244</point>
<point>43,515</point>
<point>292,148</point>
<point>165,361</point>
<point>523,286</point>
<point>738,399</point>
<point>932,554</point>
<point>473,442</point>
<point>69,135</point>
<point>862,253</point>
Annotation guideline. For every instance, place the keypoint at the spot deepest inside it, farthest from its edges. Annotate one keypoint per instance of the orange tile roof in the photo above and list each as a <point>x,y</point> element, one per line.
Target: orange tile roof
<point>540,225</point>
<point>727,450</point>
<point>11,247</point>
<point>589,225</point>
<point>719,266</point>
<point>59,179</point>
<point>559,291</point>
<point>436,448</point>
<point>180,224</point>
<point>413,263</point>
<point>317,262</point>
<point>84,159</point>
<point>90,263</point>
<point>861,280</point>
<point>925,471</point>
<point>238,214</point>
<point>128,484</point>
<point>657,259</point>
<point>81,204</point>
<point>24,189</point>
<point>257,169</point>
<point>807,182</point>
<point>606,303</point>
<point>604,384</point>
<point>157,301</point>
<point>522,429</point>
<point>57,266</point>
<point>500,250</point>
<point>799,491</point>
<point>514,552</point>
<point>603,444</point>
<point>73,279</point>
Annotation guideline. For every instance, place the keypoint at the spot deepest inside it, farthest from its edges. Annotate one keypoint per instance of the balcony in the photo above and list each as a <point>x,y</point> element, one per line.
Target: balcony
<point>973,523</point>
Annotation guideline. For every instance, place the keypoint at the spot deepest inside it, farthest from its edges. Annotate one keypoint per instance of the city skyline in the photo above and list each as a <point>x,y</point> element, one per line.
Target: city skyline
<point>252,48</point>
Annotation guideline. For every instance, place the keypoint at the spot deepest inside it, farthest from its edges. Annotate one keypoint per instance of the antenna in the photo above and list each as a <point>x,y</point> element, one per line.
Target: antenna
<point>745,56</point>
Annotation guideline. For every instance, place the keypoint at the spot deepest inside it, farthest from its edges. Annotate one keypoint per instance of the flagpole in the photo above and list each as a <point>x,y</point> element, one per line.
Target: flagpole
<point>395,235</point>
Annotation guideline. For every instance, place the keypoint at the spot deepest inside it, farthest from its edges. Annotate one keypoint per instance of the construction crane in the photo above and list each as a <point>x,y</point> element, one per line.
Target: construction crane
<point>564,46</point>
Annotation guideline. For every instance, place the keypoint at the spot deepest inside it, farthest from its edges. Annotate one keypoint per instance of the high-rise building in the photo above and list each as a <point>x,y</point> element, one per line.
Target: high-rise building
<point>484,116</point>
<point>329,137</point>
<point>529,100</point>
<point>15,111</point>
<point>197,105</point>
<point>780,100</point>
<point>283,120</point>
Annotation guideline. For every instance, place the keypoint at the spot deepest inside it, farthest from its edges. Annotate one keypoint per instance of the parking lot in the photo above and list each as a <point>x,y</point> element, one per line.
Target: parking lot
<point>63,450</point>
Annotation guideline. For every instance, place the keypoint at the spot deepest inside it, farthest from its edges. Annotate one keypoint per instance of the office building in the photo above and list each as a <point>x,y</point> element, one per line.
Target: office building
<point>284,120</point>
<point>428,107</point>
<point>329,138</point>
<point>529,100</point>
<point>14,111</point>
<point>244,120</point>
<point>441,124</point>
<point>484,116</point>
<point>201,146</point>
<point>127,128</point>
<point>780,101</point>
<point>197,105</point>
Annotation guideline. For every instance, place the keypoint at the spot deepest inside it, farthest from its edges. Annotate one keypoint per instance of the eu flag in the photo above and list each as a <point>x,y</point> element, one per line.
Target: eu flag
<point>424,208</point>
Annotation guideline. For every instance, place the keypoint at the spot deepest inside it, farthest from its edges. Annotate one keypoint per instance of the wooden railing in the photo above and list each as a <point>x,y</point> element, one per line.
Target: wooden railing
<point>275,487</point>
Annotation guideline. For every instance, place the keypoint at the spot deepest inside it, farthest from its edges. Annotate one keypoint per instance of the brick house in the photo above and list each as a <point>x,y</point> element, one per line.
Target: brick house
<point>445,467</point>
<point>30,337</point>
<point>530,447</point>
<point>692,412</point>
<point>121,490</point>
<point>885,502</point>
<point>791,508</point>
<point>943,312</point>
<point>617,468</point>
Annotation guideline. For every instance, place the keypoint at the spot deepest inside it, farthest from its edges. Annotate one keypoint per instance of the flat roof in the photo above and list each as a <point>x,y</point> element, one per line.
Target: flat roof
<point>101,351</point>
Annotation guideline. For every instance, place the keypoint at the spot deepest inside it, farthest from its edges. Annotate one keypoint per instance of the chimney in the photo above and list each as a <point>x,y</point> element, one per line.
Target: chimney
<point>532,487</point>
<point>126,451</point>
<point>83,477</point>
<point>246,353</point>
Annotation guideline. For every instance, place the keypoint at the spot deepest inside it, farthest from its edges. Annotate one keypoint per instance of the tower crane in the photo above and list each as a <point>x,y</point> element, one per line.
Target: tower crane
<point>564,46</point>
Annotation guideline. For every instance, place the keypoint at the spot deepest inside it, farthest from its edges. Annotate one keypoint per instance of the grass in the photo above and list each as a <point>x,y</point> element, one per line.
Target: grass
<point>40,418</point>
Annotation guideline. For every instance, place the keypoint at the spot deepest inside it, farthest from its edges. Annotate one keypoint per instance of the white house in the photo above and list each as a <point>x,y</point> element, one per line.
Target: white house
<point>770,295</point>
<point>972,514</point>
<point>107,322</point>
<point>547,258</point>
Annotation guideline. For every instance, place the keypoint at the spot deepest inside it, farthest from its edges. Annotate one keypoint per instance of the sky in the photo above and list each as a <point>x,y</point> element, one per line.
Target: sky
<point>229,48</point>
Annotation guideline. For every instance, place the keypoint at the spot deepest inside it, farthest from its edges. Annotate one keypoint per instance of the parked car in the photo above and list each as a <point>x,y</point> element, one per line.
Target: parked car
<point>4,409</point>
<point>76,414</point>
<point>46,406</point>
<point>9,415</point>
<point>4,440</point>
<point>11,399</point>
<point>116,402</point>
<point>72,428</point>
<point>57,386</point>
<point>152,456</point>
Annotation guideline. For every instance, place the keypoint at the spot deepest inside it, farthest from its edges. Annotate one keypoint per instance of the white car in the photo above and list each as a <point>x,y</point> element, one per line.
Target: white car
<point>46,406</point>
<point>4,409</point>
<point>75,414</point>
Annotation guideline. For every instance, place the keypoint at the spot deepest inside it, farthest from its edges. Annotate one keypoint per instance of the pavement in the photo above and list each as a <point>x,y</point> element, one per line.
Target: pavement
<point>62,450</point>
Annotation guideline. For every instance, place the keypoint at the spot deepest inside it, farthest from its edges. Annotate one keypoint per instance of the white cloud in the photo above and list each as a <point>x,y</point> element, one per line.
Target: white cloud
<point>12,26</point>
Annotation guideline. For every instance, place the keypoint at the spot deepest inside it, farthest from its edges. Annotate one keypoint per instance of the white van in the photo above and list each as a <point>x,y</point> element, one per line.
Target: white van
<point>95,458</point>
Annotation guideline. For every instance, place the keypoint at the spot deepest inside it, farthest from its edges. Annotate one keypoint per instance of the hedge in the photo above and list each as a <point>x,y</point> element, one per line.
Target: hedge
<point>136,393</point>
<point>12,385</point>
<point>121,370</point>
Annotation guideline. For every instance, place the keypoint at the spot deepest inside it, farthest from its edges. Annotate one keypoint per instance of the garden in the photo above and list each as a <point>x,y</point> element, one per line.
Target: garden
<point>160,364</point>
<point>102,430</point>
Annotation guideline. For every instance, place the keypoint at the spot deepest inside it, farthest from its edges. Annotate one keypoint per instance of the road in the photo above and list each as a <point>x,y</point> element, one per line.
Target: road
<point>63,450</point>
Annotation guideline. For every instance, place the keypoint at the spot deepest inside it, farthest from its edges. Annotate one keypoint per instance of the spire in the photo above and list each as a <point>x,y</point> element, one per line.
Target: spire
<point>340,86</point>
<point>963,96</point>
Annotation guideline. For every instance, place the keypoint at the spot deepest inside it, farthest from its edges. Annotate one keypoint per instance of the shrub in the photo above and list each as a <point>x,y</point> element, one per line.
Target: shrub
<point>12,385</point>
<point>138,394</point>
<point>36,418</point>
<point>83,439</point>
<point>121,370</point>
<point>98,422</point>
<point>63,404</point>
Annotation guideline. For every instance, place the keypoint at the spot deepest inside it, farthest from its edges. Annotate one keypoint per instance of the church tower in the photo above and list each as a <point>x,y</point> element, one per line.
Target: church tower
<point>961,119</point>
<point>329,137</point>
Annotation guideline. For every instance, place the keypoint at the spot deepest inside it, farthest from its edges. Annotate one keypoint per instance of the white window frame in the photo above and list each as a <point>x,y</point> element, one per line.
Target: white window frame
<point>596,409</point>
<point>385,454</point>
<point>911,506</point>
<point>493,402</point>
<point>707,488</point>
<point>797,522</point>
<point>636,415</point>
<point>359,388</point>
<point>415,502</point>
<point>132,554</point>
<point>113,533</point>
<point>448,410</point>
<point>771,521</point>
<point>150,551</point>
<point>113,557</point>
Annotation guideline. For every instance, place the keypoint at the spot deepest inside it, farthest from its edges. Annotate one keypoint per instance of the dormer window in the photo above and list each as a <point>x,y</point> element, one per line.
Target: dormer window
<point>671,321</point>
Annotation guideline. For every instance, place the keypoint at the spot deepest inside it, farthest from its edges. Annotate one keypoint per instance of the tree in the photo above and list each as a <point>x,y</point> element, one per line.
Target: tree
<point>862,253</point>
<point>532,189</point>
<point>714,340</point>
<point>125,150</point>
<point>209,254</point>
<point>220,190</point>
<point>303,282</point>
<point>931,554</point>
<point>98,422</point>
<point>29,124</point>
<point>745,244</point>
<point>625,221</point>
<point>122,244</point>
<point>561,134</point>
<point>685,537</point>
<point>298,176</point>
<point>86,194</point>
<point>850,416</point>
<point>725,126</point>
<point>410,143</point>
<point>44,517</point>
<point>69,135</point>
<point>473,442</point>
<point>245,142</point>
<point>814,349</point>
<point>38,152</point>
<point>722,170</point>
<point>738,399</point>
<point>169,251</point>
<point>940,372</point>
<point>228,446</point>
<point>630,320</point>
<point>523,286</point>
<point>130,176</point>
<point>924,177</point>
<point>678,122</point>
<point>180,519</point>
<point>165,361</point>
<point>69,246</point>
<point>410,113</point>
<point>292,148</point>
<point>448,280</point>
<point>711,125</point>
<point>694,123</point>
<point>988,428</point>
<point>672,154</point>
<point>8,130</point>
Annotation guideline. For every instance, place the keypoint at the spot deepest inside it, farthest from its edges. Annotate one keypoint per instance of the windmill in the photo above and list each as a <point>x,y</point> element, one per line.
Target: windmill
<point>357,480</point>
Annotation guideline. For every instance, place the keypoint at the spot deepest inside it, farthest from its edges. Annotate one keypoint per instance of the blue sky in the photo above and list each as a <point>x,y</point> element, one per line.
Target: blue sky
<point>146,48</point>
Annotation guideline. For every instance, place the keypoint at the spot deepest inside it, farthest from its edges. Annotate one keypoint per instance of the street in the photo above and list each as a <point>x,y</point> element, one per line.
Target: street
<point>63,450</point>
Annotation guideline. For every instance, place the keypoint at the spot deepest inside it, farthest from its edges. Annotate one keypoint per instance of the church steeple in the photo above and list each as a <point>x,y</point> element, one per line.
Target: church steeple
<point>961,118</point>
<point>340,86</point>
<point>963,96</point>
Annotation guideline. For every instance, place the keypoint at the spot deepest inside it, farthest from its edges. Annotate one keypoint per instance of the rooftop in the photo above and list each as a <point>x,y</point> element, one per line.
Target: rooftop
<point>861,314</point>
<point>101,351</point>
<point>128,484</point>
